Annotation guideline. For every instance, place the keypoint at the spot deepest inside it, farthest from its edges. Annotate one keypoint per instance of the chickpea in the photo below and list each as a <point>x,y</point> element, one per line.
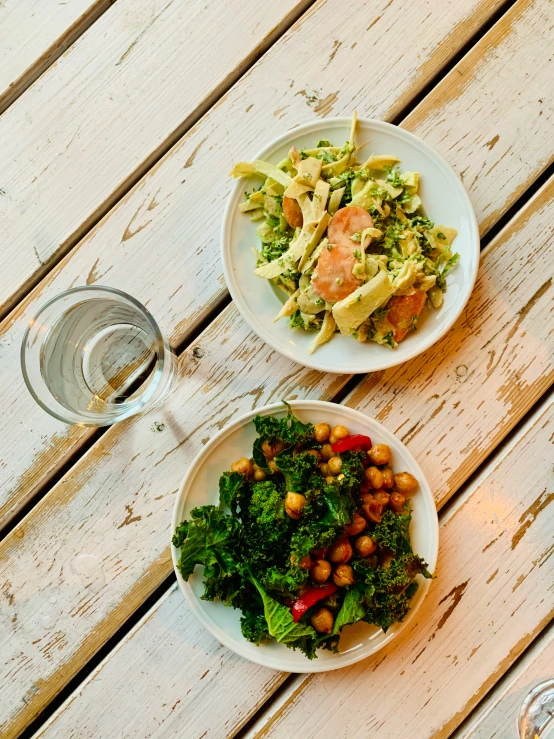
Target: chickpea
<point>373,511</point>
<point>356,526</point>
<point>243,465</point>
<point>258,474</point>
<point>326,452</point>
<point>335,465</point>
<point>321,432</point>
<point>366,498</point>
<point>365,545</point>
<point>272,466</point>
<point>322,621</point>
<point>388,478</point>
<point>340,552</point>
<point>397,501</point>
<point>405,482</point>
<point>381,497</point>
<point>270,450</point>
<point>314,453</point>
<point>374,477</point>
<point>379,454</point>
<point>306,562</point>
<point>343,576</point>
<point>329,479</point>
<point>294,503</point>
<point>337,433</point>
<point>324,469</point>
<point>321,571</point>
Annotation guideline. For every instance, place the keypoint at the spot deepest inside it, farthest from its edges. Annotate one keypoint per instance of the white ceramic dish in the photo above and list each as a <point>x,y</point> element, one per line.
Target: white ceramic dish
<point>445,201</point>
<point>200,487</point>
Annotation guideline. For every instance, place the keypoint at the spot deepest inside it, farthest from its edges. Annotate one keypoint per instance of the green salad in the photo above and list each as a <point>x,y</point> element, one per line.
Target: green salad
<point>311,533</point>
<point>348,242</point>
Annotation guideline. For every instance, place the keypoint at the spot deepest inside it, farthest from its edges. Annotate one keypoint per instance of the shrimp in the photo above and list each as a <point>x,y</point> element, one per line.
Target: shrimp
<point>333,279</point>
<point>402,310</point>
<point>345,223</point>
<point>292,212</point>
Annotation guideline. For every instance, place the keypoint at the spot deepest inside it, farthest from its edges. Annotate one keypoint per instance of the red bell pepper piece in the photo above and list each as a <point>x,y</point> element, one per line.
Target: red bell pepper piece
<point>353,443</point>
<point>309,598</point>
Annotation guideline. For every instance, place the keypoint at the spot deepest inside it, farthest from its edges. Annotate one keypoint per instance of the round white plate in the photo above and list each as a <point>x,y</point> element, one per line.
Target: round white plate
<point>200,487</point>
<point>445,202</point>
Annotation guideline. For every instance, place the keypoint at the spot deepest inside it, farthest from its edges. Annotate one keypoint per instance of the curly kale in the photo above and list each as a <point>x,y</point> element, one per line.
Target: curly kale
<point>297,469</point>
<point>254,626</point>
<point>393,533</point>
<point>289,429</point>
<point>267,527</point>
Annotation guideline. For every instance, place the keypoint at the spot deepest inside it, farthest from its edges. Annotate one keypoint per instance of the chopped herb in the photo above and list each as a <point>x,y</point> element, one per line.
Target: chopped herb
<point>413,324</point>
<point>357,237</point>
<point>323,142</point>
<point>357,255</point>
<point>389,339</point>
<point>441,236</point>
<point>339,281</point>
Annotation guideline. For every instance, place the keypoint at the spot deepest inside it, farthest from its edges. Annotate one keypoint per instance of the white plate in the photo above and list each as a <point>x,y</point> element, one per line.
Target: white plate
<point>445,202</point>
<point>200,487</point>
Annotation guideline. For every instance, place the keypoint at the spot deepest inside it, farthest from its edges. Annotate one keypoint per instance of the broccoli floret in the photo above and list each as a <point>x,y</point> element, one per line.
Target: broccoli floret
<point>267,526</point>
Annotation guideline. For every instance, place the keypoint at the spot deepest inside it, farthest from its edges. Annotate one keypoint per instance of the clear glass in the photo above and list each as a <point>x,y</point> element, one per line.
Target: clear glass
<point>93,356</point>
<point>536,715</point>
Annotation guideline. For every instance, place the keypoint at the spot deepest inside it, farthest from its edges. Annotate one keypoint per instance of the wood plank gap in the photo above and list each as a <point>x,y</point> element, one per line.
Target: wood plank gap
<point>154,157</point>
<point>99,656</point>
<point>449,66</point>
<point>53,53</point>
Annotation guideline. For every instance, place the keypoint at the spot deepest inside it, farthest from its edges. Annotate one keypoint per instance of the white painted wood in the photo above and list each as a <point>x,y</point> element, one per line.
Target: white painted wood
<point>142,73</point>
<point>97,542</point>
<point>33,33</point>
<point>163,250</point>
<point>492,596</point>
<point>455,402</point>
<point>339,704</point>
<point>495,717</point>
<point>187,682</point>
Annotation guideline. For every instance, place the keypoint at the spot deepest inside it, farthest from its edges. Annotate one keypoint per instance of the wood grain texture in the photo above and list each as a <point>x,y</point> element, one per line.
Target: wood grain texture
<point>457,401</point>
<point>98,541</point>
<point>166,253</point>
<point>139,76</point>
<point>174,669</point>
<point>106,556</point>
<point>493,594</point>
<point>33,33</point>
<point>495,717</point>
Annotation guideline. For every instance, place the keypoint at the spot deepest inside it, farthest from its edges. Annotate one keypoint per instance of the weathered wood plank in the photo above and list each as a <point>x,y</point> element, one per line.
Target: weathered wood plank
<point>33,33</point>
<point>139,76</point>
<point>181,283</point>
<point>164,691</point>
<point>492,595</point>
<point>495,717</point>
<point>98,540</point>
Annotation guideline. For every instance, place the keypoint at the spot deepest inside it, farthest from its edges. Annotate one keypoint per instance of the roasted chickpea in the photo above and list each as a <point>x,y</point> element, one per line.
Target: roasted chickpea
<point>270,450</point>
<point>272,466</point>
<point>397,501</point>
<point>343,576</point>
<point>326,452</point>
<point>335,465</point>
<point>329,479</point>
<point>379,454</point>
<point>322,621</point>
<point>337,433</point>
<point>340,552</point>
<point>321,432</point>
<point>373,511</point>
<point>258,474</point>
<point>325,471</point>
<point>314,453</point>
<point>388,478</point>
<point>366,498</point>
<point>294,503</point>
<point>306,562</point>
<point>243,465</point>
<point>365,545</point>
<point>405,482</point>
<point>321,571</point>
<point>374,477</point>
<point>381,497</point>
<point>357,525</point>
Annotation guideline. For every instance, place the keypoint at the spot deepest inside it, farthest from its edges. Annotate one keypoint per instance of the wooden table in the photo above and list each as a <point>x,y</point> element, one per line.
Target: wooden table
<point>120,122</point>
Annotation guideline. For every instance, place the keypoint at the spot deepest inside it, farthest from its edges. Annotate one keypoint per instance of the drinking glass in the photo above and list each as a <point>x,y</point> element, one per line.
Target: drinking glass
<point>536,715</point>
<point>93,356</point>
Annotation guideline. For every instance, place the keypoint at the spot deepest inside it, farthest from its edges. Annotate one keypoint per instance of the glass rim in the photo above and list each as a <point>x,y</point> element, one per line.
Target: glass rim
<point>163,349</point>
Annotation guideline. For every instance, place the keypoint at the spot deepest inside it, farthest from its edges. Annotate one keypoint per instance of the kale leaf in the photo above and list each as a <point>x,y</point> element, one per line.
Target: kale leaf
<point>233,491</point>
<point>290,429</point>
